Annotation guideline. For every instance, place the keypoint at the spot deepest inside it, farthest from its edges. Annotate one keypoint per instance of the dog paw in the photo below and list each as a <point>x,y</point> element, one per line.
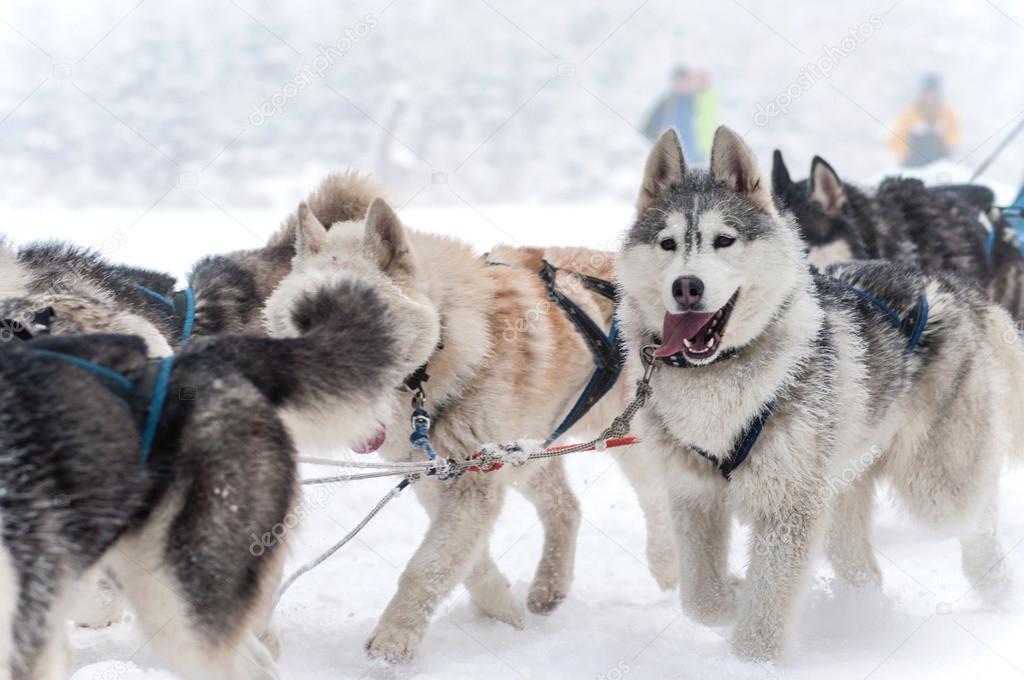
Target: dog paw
<point>757,642</point>
<point>544,598</point>
<point>502,605</point>
<point>99,621</point>
<point>394,645</point>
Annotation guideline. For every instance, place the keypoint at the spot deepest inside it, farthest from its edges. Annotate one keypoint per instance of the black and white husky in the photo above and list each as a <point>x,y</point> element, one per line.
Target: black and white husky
<point>171,505</point>
<point>782,396</point>
<point>941,228</point>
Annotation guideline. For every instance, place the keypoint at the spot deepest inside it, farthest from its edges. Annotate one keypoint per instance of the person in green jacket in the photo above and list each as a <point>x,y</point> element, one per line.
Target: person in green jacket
<point>705,112</point>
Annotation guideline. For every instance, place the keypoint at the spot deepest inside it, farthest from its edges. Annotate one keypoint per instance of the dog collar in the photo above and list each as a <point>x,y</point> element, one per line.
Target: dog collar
<point>679,360</point>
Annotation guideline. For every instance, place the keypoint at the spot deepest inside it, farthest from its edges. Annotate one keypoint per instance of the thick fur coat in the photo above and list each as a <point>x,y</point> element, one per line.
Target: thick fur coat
<point>855,400</point>
<point>177,529</point>
<point>509,366</point>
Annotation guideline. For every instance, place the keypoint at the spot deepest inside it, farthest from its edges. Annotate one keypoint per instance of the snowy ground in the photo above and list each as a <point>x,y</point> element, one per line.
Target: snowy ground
<point>616,623</point>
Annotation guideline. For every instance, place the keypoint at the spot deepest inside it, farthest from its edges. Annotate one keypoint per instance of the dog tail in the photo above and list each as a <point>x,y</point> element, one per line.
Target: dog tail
<point>341,197</point>
<point>1008,344</point>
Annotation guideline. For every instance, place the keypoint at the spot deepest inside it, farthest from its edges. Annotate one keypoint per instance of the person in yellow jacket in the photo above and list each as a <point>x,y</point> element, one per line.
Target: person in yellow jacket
<point>929,130</point>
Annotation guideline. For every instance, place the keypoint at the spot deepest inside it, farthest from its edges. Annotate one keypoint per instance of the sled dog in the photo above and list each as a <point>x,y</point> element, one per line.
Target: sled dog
<point>781,396</point>
<point>166,469</point>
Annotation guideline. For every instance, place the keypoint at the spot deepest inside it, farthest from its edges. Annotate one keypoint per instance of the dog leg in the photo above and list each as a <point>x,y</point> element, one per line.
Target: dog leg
<point>646,479</point>
<point>559,511</point>
<point>463,513</point>
<point>52,662</point>
<point>491,593</point>
<point>849,545</point>
<point>782,542</point>
<point>982,556</point>
<point>702,524</point>
<point>97,602</point>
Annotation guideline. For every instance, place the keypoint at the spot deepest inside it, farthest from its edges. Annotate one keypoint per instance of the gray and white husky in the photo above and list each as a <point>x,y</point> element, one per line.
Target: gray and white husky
<point>824,384</point>
<point>175,522</point>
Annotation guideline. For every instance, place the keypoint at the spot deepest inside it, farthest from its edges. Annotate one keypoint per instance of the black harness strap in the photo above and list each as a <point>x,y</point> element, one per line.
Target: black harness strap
<point>606,350</point>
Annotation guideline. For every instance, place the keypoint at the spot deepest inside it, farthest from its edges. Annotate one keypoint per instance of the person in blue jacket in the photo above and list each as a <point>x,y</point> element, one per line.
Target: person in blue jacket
<point>678,109</point>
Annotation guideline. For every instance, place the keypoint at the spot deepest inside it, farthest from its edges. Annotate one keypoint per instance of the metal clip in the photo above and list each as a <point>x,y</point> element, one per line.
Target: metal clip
<point>419,398</point>
<point>420,417</point>
<point>647,358</point>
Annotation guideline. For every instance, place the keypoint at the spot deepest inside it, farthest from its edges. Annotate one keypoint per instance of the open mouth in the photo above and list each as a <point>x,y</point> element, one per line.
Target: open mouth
<point>374,442</point>
<point>697,335</point>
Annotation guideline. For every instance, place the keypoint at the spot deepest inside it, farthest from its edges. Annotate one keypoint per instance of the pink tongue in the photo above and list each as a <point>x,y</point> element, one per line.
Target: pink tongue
<point>373,443</point>
<point>678,327</point>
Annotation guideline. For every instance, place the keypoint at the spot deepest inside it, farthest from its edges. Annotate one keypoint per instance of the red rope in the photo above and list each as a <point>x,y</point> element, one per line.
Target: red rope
<point>612,443</point>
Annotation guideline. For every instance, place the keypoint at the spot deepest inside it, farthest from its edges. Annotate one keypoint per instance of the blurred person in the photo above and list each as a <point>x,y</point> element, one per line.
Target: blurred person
<point>678,109</point>
<point>928,130</point>
<point>705,112</point>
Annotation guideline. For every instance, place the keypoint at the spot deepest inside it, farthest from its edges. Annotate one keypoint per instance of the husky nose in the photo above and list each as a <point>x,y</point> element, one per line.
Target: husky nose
<point>687,290</point>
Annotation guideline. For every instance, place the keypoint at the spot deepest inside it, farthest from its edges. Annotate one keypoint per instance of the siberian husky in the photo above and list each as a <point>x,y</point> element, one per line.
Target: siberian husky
<point>823,384</point>
<point>177,516</point>
<point>941,228</point>
<point>509,366</point>
<point>63,289</point>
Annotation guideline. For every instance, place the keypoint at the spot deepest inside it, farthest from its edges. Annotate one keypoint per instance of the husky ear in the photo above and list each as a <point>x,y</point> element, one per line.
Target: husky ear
<point>781,181</point>
<point>386,236</point>
<point>826,188</point>
<point>733,163</point>
<point>665,166</point>
<point>311,236</point>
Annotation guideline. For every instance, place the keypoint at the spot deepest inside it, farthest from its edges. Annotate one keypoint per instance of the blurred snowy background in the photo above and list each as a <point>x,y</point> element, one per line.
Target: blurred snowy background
<point>161,131</point>
<point>243,104</point>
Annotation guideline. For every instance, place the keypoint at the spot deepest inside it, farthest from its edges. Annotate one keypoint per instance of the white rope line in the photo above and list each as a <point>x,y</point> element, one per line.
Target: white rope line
<point>513,454</point>
<point>340,544</point>
<point>335,479</point>
<point>367,464</point>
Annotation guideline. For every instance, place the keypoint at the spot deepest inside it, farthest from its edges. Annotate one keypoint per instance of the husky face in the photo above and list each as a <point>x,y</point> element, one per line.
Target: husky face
<point>822,209</point>
<point>375,253</point>
<point>709,259</point>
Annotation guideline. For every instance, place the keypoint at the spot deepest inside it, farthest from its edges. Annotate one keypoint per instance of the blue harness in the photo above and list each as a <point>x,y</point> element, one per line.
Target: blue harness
<point>1014,214</point>
<point>182,305</point>
<point>144,397</point>
<point>912,325</point>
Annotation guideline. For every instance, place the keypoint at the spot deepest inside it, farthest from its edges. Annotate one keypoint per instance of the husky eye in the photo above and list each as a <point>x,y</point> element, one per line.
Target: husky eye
<point>334,259</point>
<point>668,244</point>
<point>724,241</point>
